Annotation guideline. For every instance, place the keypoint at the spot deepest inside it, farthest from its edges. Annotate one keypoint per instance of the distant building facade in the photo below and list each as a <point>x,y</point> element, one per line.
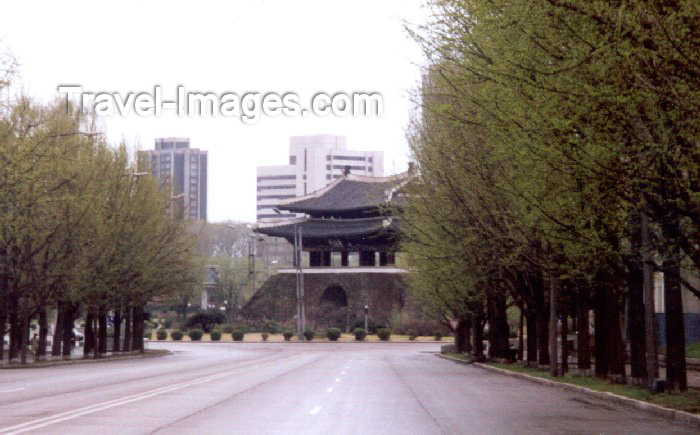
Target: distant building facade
<point>314,162</point>
<point>184,169</point>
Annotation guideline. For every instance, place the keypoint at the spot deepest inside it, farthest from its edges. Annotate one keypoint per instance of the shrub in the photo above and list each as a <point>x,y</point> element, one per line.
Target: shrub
<point>412,335</point>
<point>333,334</point>
<point>161,334</point>
<point>176,335</point>
<point>215,335</point>
<point>309,334</point>
<point>147,335</point>
<point>182,328</point>
<point>238,334</point>
<point>206,319</point>
<point>372,326</point>
<point>287,335</point>
<point>227,328</point>
<point>384,334</point>
<point>272,327</point>
<point>360,334</point>
<point>265,336</point>
<point>438,336</point>
<point>195,334</point>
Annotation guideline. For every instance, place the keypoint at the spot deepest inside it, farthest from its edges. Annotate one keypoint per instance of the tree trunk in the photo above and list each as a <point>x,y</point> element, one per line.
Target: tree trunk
<point>542,324</point>
<point>24,322</point>
<point>102,337</point>
<point>498,327</point>
<point>553,348</point>
<point>463,335</point>
<point>14,330</point>
<point>43,333</point>
<point>583,353</point>
<point>521,332</point>
<point>478,337</point>
<point>602,366</point>
<point>3,319</point>
<point>116,346</point>
<point>57,332</point>
<point>137,330</point>
<point>67,330</point>
<point>675,329</point>
<point>531,321</point>
<point>564,343</point>
<point>89,341</point>
<point>127,329</point>
<point>635,323</point>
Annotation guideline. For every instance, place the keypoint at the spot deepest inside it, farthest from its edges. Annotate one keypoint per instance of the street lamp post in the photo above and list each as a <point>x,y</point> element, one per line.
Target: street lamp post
<point>366,317</point>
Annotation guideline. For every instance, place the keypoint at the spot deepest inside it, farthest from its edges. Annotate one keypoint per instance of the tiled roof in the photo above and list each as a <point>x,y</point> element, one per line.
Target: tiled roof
<point>330,228</point>
<point>351,193</point>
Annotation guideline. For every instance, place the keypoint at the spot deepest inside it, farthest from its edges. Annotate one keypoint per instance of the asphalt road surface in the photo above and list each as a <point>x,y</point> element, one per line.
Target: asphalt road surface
<point>290,388</point>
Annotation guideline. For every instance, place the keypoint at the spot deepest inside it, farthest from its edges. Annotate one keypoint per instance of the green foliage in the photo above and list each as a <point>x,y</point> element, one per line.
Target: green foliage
<point>412,336</point>
<point>195,334</point>
<point>360,334</point>
<point>438,336</point>
<point>288,335</point>
<point>215,335</point>
<point>309,334</point>
<point>272,327</point>
<point>206,320</point>
<point>148,335</point>
<point>265,336</point>
<point>162,334</point>
<point>227,328</point>
<point>238,334</point>
<point>384,334</point>
<point>333,334</point>
<point>176,335</point>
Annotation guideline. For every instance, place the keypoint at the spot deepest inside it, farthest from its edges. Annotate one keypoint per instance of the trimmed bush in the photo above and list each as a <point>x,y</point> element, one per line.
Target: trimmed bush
<point>238,334</point>
<point>412,336</point>
<point>265,336</point>
<point>227,328</point>
<point>438,336</point>
<point>176,335</point>
<point>272,327</point>
<point>206,320</point>
<point>161,334</point>
<point>182,328</point>
<point>287,335</point>
<point>333,334</point>
<point>215,335</point>
<point>147,335</point>
<point>384,334</point>
<point>360,334</point>
<point>309,334</point>
<point>195,334</point>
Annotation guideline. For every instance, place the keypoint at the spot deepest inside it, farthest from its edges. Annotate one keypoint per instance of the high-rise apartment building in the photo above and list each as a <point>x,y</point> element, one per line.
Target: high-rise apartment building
<point>184,169</point>
<point>314,162</point>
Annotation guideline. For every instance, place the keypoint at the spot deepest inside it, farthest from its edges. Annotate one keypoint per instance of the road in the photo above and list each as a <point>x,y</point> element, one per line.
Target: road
<point>291,388</point>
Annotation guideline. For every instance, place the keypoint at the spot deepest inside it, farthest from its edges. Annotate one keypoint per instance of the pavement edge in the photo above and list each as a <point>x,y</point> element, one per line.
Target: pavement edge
<point>658,410</point>
<point>57,363</point>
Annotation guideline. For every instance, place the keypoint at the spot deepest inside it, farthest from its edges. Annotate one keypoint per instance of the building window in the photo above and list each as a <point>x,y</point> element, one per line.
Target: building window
<point>304,188</point>
<point>292,160</point>
<point>328,157</point>
<point>371,169</point>
<point>355,158</point>
<point>328,176</point>
<point>277,177</point>
<point>304,159</point>
<point>369,159</point>
<point>328,167</point>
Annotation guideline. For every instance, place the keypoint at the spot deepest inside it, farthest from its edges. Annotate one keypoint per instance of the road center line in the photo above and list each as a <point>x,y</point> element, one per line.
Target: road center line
<point>315,410</point>
<point>12,390</point>
<point>337,379</point>
<point>330,390</point>
<point>343,372</point>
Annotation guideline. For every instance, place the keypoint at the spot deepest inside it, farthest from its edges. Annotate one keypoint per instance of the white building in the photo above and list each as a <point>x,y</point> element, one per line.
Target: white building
<point>314,161</point>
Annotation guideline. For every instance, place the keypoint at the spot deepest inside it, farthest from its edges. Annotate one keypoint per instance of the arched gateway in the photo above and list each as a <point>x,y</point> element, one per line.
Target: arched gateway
<point>351,235</point>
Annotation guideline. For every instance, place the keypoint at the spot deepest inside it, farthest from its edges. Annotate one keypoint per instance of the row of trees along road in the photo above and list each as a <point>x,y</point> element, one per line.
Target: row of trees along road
<point>82,234</point>
<point>558,168</point>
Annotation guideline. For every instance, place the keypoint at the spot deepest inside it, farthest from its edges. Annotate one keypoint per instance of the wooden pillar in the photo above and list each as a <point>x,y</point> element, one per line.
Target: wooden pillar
<point>344,258</point>
<point>326,258</point>
<point>315,258</point>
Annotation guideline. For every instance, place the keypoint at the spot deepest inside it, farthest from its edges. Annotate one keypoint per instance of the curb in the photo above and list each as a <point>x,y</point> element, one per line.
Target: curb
<point>155,353</point>
<point>298,342</point>
<point>658,410</point>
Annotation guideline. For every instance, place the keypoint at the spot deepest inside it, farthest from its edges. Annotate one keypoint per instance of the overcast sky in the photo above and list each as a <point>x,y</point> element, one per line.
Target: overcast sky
<point>244,46</point>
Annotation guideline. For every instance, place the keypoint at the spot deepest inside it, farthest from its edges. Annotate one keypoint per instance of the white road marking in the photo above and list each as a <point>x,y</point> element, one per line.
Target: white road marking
<point>75,413</point>
<point>337,379</point>
<point>330,390</point>
<point>12,390</point>
<point>343,372</point>
<point>315,410</point>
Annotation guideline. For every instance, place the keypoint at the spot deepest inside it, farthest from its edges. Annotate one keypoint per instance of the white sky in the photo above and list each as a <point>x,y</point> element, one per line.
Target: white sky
<point>244,46</point>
